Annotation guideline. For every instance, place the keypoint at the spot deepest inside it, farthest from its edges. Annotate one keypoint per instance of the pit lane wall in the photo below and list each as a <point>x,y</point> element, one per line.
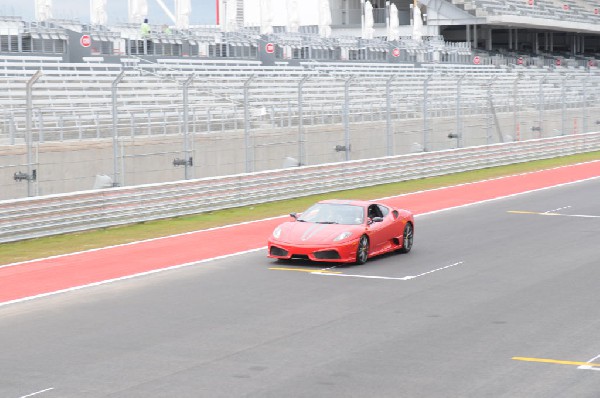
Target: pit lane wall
<point>57,214</point>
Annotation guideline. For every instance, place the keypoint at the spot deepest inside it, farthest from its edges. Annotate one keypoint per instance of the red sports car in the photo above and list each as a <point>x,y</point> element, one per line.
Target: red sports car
<point>343,231</point>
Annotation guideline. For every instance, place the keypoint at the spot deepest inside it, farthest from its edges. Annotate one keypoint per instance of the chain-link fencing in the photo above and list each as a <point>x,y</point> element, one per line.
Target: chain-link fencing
<point>63,133</point>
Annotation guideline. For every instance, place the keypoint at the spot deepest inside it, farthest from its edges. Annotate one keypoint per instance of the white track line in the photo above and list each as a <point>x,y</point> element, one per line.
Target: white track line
<point>36,393</point>
<point>559,209</point>
<point>509,196</point>
<point>405,278</point>
<point>491,179</point>
<point>156,271</point>
<point>586,367</point>
<point>552,214</point>
<point>138,242</point>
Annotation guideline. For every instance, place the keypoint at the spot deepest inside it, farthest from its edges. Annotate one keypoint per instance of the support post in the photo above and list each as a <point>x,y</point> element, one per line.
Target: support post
<point>28,132</point>
<point>515,107</point>
<point>563,102</point>
<point>249,149</point>
<point>388,112</point>
<point>115,133</point>
<point>489,120</point>
<point>186,126</point>
<point>347,117</point>
<point>541,108</point>
<point>459,132</point>
<point>587,83</point>
<point>301,135</point>
<point>425,113</point>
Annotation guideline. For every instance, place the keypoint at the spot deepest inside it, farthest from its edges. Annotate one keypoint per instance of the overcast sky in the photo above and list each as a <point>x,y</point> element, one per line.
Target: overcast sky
<point>203,11</point>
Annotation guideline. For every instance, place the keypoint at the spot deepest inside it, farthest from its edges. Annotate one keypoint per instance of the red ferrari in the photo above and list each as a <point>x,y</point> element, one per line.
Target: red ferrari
<point>343,231</point>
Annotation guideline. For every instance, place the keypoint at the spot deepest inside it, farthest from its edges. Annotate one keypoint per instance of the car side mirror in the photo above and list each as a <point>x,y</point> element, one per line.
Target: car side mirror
<point>375,219</point>
<point>294,216</point>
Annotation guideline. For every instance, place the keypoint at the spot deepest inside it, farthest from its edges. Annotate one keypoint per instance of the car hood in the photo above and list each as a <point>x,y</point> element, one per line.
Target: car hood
<point>311,233</point>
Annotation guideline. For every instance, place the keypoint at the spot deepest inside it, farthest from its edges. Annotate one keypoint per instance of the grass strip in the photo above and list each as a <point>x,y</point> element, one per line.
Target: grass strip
<point>69,243</point>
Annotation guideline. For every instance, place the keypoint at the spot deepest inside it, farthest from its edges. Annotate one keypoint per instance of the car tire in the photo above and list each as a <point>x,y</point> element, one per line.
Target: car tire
<point>407,238</point>
<point>362,252</point>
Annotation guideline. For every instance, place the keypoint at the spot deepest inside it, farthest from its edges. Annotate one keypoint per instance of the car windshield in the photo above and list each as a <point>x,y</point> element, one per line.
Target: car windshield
<point>328,213</point>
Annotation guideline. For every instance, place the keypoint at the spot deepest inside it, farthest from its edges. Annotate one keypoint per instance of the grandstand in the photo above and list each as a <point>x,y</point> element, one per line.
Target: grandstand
<point>73,101</point>
<point>453,30</point>
<point>118,107</point>
<point>73,106</point>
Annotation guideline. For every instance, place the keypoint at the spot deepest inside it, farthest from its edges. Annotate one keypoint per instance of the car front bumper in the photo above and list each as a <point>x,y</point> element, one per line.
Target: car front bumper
<point>344,252</point>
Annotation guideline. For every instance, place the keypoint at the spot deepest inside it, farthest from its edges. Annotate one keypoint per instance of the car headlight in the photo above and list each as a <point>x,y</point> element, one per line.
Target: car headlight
<point>342,236</point>
<point>277,233</point>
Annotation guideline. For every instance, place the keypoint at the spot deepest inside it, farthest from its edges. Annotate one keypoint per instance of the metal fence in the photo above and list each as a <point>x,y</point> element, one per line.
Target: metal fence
<point>57,214</point>
<point>159,123</point>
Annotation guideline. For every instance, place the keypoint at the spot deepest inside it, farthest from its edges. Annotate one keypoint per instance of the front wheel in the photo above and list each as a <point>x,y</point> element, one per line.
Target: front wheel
<point>362,252</point>
<point>407,238</point>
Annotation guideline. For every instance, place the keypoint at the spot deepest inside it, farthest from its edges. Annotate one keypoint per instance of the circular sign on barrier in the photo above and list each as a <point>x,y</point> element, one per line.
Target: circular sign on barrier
<point>396,52</point>
<point>591,62</point>
<point>520,61</point>
<point>596,11</point>
<point>85,41</point>
<point>566,7</point>
<point>557,62</point>
<point>476,60</point>
<point>531,2</point>
<point>270,48</point>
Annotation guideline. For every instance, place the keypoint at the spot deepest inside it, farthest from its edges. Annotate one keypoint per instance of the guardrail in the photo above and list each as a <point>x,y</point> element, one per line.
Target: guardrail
<point>58,214</point>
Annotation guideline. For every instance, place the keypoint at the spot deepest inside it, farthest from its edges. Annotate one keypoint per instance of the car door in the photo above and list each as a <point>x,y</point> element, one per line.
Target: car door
<point>377,231</point>
<point>389,227</point>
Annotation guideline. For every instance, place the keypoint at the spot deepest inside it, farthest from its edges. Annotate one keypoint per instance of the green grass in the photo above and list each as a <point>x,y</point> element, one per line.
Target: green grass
<point>55,245</point>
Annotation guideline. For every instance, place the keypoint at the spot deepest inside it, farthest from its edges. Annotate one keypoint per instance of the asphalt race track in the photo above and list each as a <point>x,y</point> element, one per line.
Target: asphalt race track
<point>498,299</point>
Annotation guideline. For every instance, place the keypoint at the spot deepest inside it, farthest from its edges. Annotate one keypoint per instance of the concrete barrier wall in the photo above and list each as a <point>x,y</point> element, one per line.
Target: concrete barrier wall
<point>78,211</point>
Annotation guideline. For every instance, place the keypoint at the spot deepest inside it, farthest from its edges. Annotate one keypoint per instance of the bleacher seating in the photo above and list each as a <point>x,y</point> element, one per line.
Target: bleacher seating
<point>582,11</point>
<point>73,101</point>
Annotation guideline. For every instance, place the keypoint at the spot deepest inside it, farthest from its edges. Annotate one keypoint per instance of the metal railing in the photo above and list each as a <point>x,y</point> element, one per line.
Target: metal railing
<point>142,130</point>
<point>58,214</point>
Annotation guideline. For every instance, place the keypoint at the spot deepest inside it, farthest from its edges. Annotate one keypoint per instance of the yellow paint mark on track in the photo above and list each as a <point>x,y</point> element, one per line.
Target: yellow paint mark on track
<point>556,361</point>
<point>314,271</point>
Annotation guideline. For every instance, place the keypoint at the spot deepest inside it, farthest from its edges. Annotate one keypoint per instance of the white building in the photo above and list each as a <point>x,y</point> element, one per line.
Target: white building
<point>346,15</point>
